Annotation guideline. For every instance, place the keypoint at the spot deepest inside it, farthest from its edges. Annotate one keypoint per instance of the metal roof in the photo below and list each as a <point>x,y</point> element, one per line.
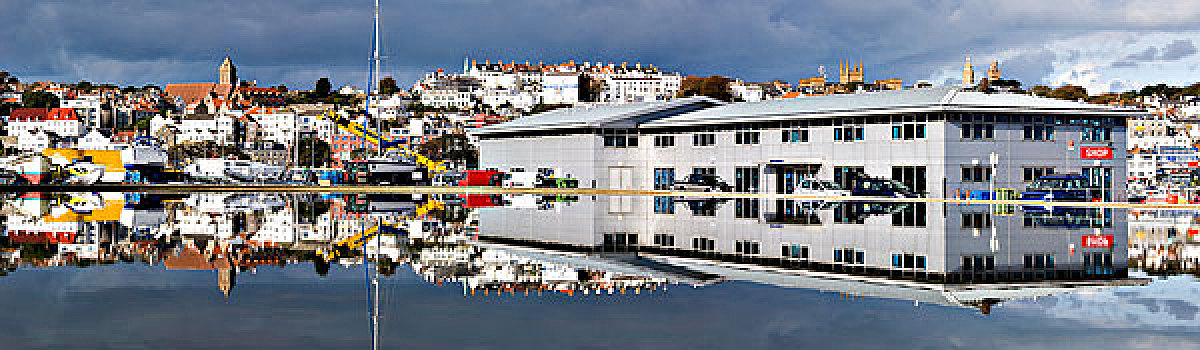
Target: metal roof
<point>592,116</point>
<point>707,111</point>
<point>885,102</point>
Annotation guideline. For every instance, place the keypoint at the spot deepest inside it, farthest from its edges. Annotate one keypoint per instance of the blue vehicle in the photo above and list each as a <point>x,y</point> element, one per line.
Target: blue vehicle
<point>1059,188</point>
<point>874,187</point>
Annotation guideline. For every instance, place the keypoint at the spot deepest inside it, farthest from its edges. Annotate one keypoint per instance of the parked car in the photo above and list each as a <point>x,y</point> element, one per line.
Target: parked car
<point>482,178</point>
<point>1060,188</point>
<point>523,179</point>
<point>820,188</point>
<point>702,183</point>
<point>876,187</point>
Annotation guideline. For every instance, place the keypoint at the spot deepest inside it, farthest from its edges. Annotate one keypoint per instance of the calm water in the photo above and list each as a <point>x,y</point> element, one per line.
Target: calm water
<point>262,271</point>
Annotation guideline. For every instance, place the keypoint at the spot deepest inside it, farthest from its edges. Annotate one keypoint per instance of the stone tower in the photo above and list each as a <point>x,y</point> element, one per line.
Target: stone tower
<point>851,73</point>
<point>994,73</point>
<point>968,75</point>
<point>227,73</point>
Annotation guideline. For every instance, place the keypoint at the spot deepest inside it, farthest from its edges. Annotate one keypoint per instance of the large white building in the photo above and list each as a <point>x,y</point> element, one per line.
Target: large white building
<point>937,141</point>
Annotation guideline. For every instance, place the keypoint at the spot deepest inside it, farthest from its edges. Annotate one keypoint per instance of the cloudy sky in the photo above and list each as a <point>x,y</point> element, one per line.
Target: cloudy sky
<point>1103,45</point>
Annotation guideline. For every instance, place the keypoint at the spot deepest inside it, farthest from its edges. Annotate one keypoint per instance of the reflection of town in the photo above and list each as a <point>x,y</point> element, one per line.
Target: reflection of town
<point>968,256</point>
<point>1165,242</point>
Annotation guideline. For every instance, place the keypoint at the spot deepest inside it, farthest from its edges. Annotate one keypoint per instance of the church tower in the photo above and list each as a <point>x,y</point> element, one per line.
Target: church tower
<point>968,74</point>
<point>851,72</point>
<point>227,73</point>
<point>994,73</point>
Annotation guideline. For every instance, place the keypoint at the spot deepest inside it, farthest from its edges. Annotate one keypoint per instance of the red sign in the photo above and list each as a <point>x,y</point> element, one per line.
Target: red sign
<point>1095,153</point>
<point>1103,241</point>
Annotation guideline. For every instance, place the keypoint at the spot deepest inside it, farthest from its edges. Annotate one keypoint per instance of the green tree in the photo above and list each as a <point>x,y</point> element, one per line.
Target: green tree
<point>323,88</point>
<point>84,86</point>
<point>39,99</point>
<point>1160,90</point>
<point>454,148</point>
<point>387,86</point>
<point>314,152</point>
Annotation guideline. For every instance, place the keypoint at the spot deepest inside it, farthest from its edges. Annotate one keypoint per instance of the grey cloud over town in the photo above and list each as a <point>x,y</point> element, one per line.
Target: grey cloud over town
<point>1099,44</point>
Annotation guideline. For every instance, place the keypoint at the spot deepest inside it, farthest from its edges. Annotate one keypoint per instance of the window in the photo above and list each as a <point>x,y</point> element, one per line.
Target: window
<point>664,205</point>
<point>620,141</point>
<point>664,178</point>
<point>794,251</point>
<point>908,131</point>
<point>619,241</point>
<point>908,261</point>
<point>704,139</point>
<point>746,138</point>
<point>976,220</point>
<point>746,208</point>
<point>913,215</point>
<point>849,256</point>
<point>1039,261</point>
<point>849,133</point>
<point>664,141</point>
<point>704,171</point>
<point>745,179</point>
<point>662,239</point>
<point>1033,173</point>
<point>911,176</point>
<point>704,244</point>
<point>1097,263</point>
<point>976,173</point>
<point>977,263</point>
<point>845,175</point>
<point>798,135</point>
<point>746,247</point>
<point>1097,133</point>
<point>1038,132</point>
<point>978,131</point>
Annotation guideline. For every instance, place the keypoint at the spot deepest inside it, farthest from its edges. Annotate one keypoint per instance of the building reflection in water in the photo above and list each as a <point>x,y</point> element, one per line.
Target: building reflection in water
<point>967,256</point>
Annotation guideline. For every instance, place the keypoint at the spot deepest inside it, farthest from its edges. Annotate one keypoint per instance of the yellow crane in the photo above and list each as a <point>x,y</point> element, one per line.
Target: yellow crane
<point>356,242</point>
<point>383,142</point>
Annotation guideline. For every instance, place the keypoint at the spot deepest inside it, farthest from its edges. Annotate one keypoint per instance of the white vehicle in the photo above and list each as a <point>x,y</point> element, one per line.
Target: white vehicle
<point>820,188</point>
<point>520,180</point>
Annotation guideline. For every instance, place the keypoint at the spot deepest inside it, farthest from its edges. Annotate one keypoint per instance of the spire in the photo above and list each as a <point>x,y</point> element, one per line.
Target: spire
<point>968,73</point>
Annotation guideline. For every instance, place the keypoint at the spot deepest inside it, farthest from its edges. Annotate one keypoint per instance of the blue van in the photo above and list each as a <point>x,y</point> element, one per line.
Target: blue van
<point>1060,188</point>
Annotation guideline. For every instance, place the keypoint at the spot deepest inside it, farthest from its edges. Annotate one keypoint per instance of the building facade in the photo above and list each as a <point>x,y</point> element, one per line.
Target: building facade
<point>937,141</point>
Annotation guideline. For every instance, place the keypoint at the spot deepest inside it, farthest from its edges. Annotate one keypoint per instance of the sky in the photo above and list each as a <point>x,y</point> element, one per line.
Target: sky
<point>1099,44</point>
<point>139,306</point>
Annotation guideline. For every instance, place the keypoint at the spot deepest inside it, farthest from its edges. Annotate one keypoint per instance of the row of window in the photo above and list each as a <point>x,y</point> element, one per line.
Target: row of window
<point>908,261</point>
<point>851,133</point>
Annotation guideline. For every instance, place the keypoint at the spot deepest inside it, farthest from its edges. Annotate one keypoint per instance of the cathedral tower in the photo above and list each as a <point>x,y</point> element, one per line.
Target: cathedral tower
<point>994,72</point>
<point>227,73</point>
<point>968,74</point>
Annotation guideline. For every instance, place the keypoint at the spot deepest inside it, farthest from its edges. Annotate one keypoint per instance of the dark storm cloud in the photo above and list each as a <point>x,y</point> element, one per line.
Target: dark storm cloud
<point>296,41</point>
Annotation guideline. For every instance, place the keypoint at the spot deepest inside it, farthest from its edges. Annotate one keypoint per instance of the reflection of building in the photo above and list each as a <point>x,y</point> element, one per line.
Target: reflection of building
<point>950,255</point>
<point>936,140</point>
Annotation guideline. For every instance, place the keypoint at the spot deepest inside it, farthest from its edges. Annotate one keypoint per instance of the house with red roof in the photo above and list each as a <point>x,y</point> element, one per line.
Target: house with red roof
<point>62,122</point>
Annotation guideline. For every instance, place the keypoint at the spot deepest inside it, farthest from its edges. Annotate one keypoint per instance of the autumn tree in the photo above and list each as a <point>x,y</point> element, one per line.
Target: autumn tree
<point>455,148</point>
<point>716,87</point>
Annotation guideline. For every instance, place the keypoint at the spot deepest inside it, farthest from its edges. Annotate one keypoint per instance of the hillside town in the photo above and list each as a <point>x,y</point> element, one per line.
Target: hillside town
<point>232,130</point>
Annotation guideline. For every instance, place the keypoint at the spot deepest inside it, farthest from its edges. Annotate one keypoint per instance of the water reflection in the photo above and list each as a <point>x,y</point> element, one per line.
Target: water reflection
<point>960,255</point>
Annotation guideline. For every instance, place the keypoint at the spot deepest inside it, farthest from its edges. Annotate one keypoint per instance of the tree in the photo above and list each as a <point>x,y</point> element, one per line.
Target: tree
<point>323,88</point>
<point>387,86</point>
<point>39,99</point>
<point>455,148</point>
<point>1041,90</point>
<point>1160,90</point>
<point>84,86</point>
<point>716,87</point>
<point>313,152</point>
<point>281,88</point>
<point>1069,92</point>
<point>541,107</point>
